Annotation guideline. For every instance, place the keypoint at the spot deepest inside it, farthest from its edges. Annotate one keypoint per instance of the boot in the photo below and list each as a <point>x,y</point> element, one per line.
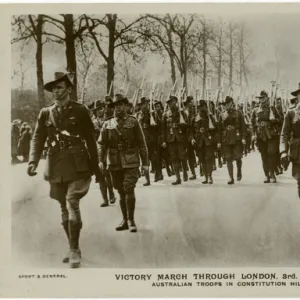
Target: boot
<point>214,165</point>
<point>220,164</point>
<point>75,254</point>
<point>177,173</point>
<point>124,224</point>
<point>267,176</point>
<point>65,225</point>
<point>147,176</point>
<point>239,170</point>
<point>298,188</point>
<point>204,168</point>
<point>185,168</point>
<point>193,177</point>
<point>273,177</point>
<point>209,172</point>
<point>201,170</point>
<point>103,190</point>
<point>130,202</point>
<point>230,171</point>
<point>112,197</point>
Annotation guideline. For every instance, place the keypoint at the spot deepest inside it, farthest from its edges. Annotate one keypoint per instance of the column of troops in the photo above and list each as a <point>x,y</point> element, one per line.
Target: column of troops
<point>185,134</point>
<point>114,137</point>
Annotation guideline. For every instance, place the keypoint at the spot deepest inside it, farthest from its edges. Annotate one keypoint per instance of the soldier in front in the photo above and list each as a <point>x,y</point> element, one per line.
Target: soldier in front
<point>204,138</point>
<point>174,137</point>
<point>233,137</point>
<point>67,128</point>
<point>264,121</point>
<point>290,140</point>
<point>122,141</point>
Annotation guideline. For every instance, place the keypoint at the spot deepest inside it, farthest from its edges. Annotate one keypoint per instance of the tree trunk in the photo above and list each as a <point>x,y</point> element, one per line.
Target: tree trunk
<point>171,55</point>
<point>230,55</point>
<point>111,24</point>
<point>70,51</point>
<point>220,59</point>
<point>204,63</point>
<point>39,61</point>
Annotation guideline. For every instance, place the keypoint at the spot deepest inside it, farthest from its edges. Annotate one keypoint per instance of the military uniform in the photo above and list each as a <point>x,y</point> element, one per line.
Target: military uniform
<point>232,132</point>
<point>266,132</point>
<point>163,152</point>
<point>104,178</point>
<point>290,140</point>
<point>152,134</point>
<point>120,144</point>
<point>174,134</point>
<point>71,159</point>
<point>190,113</point>
<point>205,139</point>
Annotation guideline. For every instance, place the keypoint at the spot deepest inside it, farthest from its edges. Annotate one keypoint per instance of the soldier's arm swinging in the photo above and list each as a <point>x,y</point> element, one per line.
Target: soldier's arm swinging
<point>102,146</point>
<point>141,143</point>
<point>37,143</point>
<point>89,137</point>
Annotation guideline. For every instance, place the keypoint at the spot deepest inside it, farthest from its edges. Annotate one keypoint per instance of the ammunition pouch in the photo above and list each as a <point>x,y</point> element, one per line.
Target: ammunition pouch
<point>131,156</point>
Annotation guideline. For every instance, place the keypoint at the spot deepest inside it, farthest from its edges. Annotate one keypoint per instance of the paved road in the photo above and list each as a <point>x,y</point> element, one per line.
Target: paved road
<point>192,225</point>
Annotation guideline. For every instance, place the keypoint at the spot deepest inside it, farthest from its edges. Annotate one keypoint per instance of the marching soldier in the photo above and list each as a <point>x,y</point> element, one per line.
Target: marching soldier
<point>163,152</point>
<point>71,158</point>
<point>279,110</point>
<point>105,183</point>
<point>174,137</point>
<point>265,133</point>
<point>233,137</point>
<point>204,140</point>
<point>290,140</point>
<point>190,112</point>
<point>121,142</point>
<point>143,117</point>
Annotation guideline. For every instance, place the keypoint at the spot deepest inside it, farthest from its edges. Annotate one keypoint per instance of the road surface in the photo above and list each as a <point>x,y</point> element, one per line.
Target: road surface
<point>191,225</point>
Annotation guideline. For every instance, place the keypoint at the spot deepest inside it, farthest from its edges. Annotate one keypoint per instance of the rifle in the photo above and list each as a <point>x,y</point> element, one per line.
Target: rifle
<point>127,88</point>
<point>152,119</point>
<point>180,106</point>
<point>121,91</point>
<point>110,88</point>
<point>271,115</point>
<point>209,113</point>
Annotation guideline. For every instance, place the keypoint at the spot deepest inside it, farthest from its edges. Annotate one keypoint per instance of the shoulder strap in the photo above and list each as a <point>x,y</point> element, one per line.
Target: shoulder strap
<point>52,117</point>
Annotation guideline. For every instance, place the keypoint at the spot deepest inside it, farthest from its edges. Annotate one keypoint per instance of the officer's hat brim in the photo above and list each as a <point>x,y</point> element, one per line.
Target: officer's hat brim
<point>295,93</point>
<point>49,86</point>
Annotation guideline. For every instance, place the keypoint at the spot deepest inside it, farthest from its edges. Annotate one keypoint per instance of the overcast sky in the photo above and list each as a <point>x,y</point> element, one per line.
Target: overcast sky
<point>265,32</point>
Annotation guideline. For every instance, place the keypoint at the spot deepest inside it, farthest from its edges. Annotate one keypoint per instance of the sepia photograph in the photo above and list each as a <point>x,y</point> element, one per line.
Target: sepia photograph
<point>156,139</point>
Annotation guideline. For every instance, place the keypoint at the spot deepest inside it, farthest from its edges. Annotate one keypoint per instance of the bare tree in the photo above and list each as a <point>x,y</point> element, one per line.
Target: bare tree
<point>28,28</point>
<point>117,34</point>
<point>69,31</point>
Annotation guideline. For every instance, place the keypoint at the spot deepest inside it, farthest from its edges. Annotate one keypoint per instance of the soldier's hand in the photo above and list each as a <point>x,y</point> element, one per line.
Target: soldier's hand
<point>146,169</point>
<point>31,169</point>
<point>193,142</point>
<point>102,166</point>
<point>164,145</point>
<point>243,142</point>
<point>219,145</point>
<point>284,160</point>
<point>253,138</point>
